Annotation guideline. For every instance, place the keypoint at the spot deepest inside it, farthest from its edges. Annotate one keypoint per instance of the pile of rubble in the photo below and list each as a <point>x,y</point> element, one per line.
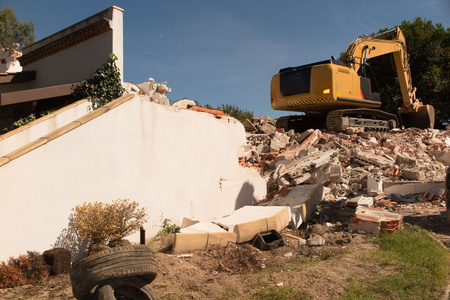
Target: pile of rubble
<point>347,164</point>
<point>9,62</point>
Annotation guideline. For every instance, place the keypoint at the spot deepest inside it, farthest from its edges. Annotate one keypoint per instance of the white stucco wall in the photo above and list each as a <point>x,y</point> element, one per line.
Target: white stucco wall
<point>176,163</point>
<point>34,130</point>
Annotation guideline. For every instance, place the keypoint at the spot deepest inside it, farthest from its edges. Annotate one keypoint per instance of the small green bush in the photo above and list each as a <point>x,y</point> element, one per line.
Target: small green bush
<point>20,122</point>
<point>168,228</point>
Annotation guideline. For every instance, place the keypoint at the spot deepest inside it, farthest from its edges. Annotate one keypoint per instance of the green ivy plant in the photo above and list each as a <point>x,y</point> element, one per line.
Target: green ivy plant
<point>20,122</point>
<point>103,86</point>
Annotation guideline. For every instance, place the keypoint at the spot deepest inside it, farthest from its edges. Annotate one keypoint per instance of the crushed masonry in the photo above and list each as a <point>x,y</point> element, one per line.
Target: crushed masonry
<point>354,168</point>
<point>365,174</point>
<point>9,62</point>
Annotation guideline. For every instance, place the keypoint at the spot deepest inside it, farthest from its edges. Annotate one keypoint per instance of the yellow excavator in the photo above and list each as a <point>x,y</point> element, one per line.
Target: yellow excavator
<point>336,93</point>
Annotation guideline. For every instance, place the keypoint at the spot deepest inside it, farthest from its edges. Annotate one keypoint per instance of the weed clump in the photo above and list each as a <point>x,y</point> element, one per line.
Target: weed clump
<point>25,269</point>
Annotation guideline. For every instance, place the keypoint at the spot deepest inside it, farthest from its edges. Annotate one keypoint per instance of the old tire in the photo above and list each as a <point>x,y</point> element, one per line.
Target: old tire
<point>114,263</point>
<point>125,288</point>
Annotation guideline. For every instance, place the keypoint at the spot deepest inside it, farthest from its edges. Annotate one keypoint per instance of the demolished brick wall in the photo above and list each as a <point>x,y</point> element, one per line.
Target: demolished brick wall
<point>348,163</point>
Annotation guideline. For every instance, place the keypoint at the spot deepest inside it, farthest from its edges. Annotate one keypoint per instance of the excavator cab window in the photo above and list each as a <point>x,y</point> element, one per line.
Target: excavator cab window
<point>366,89</point>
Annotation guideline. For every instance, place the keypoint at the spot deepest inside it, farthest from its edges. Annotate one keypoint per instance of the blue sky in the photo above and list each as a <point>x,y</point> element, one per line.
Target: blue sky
<point>225,52</point>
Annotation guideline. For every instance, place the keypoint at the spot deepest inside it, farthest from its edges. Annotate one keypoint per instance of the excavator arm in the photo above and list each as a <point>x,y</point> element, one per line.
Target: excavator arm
<point>413,112</point>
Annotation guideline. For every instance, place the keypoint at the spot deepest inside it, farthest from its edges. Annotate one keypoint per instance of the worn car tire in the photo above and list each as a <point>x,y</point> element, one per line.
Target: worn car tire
<point>114,263</point>
<point>129,288</point>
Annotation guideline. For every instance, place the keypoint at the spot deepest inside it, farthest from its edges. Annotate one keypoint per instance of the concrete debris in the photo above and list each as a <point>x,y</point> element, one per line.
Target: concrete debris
<point>248,221</point>
<point>8,59</point>
<point>365,175</point>
<point>302,200</point>
<point>372,172</point>
<point>315,240</point>
<point>349,164</point>
<point>152,91</point>
<point>359,201</point>
<point>374,221</point>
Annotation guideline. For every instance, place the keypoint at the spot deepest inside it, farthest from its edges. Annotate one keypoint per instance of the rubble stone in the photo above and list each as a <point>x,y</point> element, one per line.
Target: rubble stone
<point>349,164</point>
<point>413,174</point>
<point>316,240</point>
<point>279,141</point>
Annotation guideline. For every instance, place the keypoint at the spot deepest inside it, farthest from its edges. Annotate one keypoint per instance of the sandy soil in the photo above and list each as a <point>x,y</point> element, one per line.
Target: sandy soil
<point>239,271</point>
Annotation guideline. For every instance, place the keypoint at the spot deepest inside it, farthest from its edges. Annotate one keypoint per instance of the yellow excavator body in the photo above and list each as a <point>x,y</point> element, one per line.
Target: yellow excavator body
<point>320,87</point>
<point>339,89</point>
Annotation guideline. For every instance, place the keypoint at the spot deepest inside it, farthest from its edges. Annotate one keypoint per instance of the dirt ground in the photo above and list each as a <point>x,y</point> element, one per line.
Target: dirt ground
<point>239,271</point>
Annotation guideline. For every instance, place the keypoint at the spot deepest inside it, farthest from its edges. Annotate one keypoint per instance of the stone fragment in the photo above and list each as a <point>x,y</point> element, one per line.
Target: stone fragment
<point>279,141</point>
<point>316,240</point>
<point>184,103</point>
<point>304,135</point>
<point>344,136</point>
<point>335,172</point>
<point>374,185</point>
<point>413,174</point>
<point>403,159</point>
<point>359,201</point>
<point>302,200</point>
<point>301,179</point>
<point>248,126</point>
<point>366,159</point>
<point>267,128</point>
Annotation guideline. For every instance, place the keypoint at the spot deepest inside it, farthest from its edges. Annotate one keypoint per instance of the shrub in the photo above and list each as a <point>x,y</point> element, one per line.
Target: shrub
<point>20,122</point>
<point>103,86</point>
<point>168,228</point>
<point>10,276</point>
<point>25,269</point>
<point>100,223</point>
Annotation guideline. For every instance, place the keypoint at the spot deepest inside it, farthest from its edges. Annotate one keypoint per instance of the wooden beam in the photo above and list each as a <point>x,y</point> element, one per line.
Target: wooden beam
<point>35,94</point>
<point>23,76</point>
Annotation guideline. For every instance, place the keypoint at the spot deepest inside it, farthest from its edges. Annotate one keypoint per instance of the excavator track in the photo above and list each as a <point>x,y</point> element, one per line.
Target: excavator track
<point>339,120</point>
<point>370,119</point>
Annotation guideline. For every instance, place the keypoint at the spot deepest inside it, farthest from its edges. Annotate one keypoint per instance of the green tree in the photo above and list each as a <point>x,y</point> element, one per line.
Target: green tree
<point>14,31</point>
<point>236,112</point>
<point>428,46</point>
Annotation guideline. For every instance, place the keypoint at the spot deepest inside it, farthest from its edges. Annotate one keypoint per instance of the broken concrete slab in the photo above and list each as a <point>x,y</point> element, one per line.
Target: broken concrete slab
<point>408,187</point>
<point>413,174</point>
<point>201,236</point>
<point>247,221</point>
<point>442,156</point>
<point>404,159</point>
<point>374,185</point>
<point>302,200</point>
<point>359,201</point>
<point>375,220</point>
<point>186,242</point>
<point>248,126</point>
<point>365,158</point>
